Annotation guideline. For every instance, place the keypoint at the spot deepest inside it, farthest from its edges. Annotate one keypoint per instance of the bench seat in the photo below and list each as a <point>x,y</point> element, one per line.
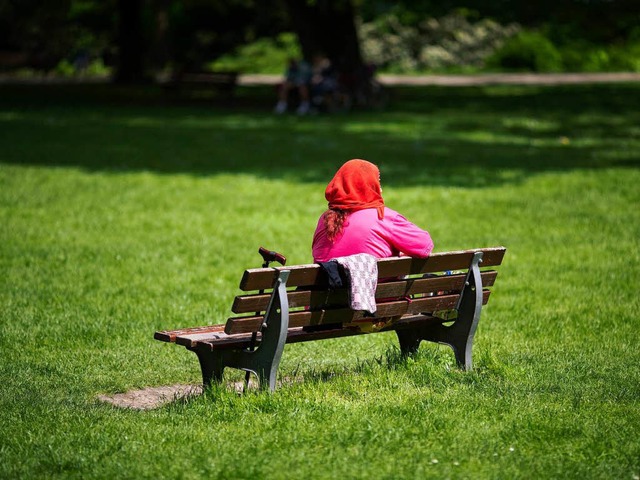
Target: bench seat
<point>221,81</point>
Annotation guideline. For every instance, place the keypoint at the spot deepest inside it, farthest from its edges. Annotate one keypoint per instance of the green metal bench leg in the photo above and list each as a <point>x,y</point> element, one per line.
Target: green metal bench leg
<point>409,341</point>
<point>462,332</point>
<point>459,336</point>
<point>264,360</point>
<point>212,366</point>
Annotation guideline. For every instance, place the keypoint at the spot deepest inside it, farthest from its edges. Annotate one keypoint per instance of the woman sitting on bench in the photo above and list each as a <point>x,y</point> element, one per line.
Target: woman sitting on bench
<point>358,221</point>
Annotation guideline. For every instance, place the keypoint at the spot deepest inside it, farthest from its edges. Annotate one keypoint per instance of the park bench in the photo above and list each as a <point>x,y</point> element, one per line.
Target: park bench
<point>221,81</point>
<point>438,299</point>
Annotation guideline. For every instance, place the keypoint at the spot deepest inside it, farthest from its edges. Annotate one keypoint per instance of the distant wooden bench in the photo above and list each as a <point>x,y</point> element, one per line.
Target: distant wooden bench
<point>220,81</point>
<point>415,297</point>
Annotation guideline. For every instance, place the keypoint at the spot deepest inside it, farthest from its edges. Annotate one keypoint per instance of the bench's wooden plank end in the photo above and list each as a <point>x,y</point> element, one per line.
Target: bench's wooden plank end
<point>172,335</point>
<point>164,336</point>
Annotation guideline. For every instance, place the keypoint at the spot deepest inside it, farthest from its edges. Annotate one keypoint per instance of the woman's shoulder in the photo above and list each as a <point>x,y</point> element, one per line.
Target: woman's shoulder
<point>396,221</point>
<point>392,215</point>
<point>371,215</point>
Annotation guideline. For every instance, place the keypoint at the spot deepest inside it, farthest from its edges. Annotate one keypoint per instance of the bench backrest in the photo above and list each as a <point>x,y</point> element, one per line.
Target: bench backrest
<point>402,290</point>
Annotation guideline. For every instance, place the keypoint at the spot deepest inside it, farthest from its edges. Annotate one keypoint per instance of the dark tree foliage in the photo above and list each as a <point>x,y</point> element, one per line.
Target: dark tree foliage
<point>139,37</point>
<point>45,32</point>
<point>598,21</point>
<point>131,44</point>
<point>201,30</point>
<point>136,37</point>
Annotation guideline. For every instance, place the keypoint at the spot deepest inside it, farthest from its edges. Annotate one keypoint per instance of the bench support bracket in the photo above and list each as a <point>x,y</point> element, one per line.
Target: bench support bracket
<point>459,335</point>
<point>265,359</point>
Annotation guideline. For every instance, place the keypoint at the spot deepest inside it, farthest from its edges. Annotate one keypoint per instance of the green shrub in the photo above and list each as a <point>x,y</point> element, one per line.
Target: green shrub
<point>265,55</point>
<point>527,51</point>
<point>94,68</point>
<point>631,57</point>
<point>584,57</point>
<point>65,68</point>
<point>614,58</point>
<point>573,56</point>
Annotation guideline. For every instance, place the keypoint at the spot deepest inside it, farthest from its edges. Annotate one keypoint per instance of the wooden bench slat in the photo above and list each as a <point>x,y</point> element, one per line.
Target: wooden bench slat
<point>208,77</point>
<point>346,315</point>
<point>190,339</point>
<point>220,343</point>
<point>305,275</point>
<point>395,289</point>
<point>298,334</point>
<point>220,80</point>
<point>294,335</point>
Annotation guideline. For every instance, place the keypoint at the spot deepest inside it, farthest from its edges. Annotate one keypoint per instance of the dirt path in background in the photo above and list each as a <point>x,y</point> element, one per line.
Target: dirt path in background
<point>480,79</point>
<point>406,80</point>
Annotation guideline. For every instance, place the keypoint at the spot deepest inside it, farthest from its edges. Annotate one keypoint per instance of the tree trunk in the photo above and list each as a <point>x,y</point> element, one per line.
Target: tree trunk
<point>161,49</point>
<point>327,27</point>
<point>130,64</point>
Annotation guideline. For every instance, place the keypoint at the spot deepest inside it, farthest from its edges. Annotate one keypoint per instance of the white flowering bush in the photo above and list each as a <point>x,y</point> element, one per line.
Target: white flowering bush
<point>451,42</point>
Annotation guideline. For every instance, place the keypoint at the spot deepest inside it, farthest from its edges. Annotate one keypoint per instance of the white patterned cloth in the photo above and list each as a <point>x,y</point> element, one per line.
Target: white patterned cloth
<point>362,272</point>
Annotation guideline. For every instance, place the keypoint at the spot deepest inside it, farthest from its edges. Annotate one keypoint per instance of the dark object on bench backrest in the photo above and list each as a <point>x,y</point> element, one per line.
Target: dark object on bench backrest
<point>270,256</point>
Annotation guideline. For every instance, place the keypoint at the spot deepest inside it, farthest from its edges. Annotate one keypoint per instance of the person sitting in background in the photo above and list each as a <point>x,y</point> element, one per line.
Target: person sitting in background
<point>297,78</point>
<point>324,82</point>
<point>358,221</point>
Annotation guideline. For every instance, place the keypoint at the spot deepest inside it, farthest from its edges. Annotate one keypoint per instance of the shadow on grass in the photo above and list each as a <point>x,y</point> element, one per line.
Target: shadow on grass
<point>435,359</point>
<point>468,137</point>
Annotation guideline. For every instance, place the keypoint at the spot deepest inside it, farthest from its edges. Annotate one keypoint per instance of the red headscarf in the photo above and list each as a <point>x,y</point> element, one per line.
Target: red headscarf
<point>356,186</point>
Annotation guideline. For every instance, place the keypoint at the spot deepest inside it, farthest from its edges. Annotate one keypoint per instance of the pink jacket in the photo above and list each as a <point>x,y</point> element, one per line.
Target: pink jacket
<point>364,232</point>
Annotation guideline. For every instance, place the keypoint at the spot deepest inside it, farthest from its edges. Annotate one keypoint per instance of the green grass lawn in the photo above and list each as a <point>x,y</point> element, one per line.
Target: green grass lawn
<point>122,214</point>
